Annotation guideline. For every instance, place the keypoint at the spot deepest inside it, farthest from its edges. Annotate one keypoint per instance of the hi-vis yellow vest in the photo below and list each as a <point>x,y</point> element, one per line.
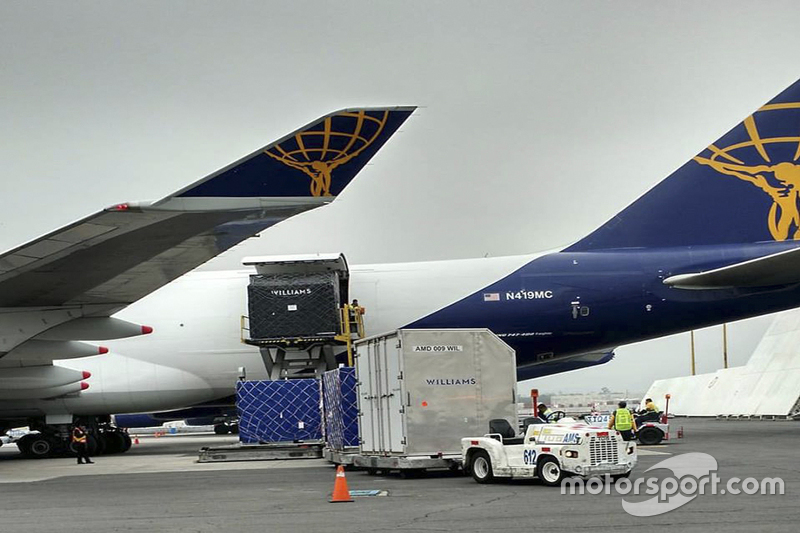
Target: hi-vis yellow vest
<point>622,420</point>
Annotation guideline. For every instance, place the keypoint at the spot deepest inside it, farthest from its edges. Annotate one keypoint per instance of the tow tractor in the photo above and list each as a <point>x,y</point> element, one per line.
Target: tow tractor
<point>549,452</point>
<point>651,428</point>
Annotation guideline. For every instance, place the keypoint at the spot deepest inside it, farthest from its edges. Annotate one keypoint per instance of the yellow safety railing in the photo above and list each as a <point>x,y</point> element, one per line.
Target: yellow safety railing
<point>352,320</point>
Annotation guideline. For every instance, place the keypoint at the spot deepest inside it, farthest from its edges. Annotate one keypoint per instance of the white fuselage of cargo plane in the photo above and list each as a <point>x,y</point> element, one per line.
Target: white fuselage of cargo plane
<point>195,351</point>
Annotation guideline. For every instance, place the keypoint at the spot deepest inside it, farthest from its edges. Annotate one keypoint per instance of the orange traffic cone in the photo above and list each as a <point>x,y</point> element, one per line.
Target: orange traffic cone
<point>340,490</point>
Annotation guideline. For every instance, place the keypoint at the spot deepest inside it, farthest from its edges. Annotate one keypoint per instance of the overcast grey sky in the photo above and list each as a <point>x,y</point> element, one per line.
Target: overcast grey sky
<point>540,120</point>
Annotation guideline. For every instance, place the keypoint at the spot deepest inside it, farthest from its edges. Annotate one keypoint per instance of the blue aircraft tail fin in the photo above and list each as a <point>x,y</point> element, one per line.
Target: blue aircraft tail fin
<point>320,159</point>
<point>743,188</point>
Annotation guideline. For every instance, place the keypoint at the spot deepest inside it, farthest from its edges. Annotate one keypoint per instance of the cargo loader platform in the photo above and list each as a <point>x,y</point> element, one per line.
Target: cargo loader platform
<point>298,315</point>
<point>340,457</point>
<point>260,452</point>
<point>291,342</point>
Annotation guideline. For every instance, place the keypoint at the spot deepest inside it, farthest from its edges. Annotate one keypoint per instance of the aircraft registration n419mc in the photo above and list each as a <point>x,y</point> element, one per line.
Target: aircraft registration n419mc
<point>715,241</point>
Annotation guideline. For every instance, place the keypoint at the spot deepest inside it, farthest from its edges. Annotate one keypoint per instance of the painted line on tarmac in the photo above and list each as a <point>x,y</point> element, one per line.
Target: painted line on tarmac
<point>367,493</point>
<point>642,451</point>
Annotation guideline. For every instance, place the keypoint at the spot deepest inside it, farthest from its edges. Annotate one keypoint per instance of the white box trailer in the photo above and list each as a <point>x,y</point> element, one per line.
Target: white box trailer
<point>421,391</point>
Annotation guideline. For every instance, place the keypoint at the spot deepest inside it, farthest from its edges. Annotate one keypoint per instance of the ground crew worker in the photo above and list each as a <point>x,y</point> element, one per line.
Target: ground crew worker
<point>544,412</point>
<point>81,444</point>
<point>622,421</point>
<point>649,406</point>
<point>649,413</point>
<point>355,310</point>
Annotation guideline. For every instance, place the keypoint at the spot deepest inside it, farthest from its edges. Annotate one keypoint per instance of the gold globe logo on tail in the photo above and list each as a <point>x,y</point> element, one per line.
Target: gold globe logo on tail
<point>779,179</point>
<point>318,152</point>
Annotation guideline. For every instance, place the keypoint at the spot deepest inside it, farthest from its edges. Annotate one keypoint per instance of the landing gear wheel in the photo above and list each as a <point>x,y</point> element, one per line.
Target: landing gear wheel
<point>114,442</point>
<point>126,442</point>
<point>40,447</point>
<point>234,429</point>
<point>650,436</point>
<point>481,467</point>
<point>221,429</point>
<point>549,471</point>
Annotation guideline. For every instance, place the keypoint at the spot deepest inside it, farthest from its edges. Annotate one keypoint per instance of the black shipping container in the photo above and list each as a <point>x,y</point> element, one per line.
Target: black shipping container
<point>293,305</point>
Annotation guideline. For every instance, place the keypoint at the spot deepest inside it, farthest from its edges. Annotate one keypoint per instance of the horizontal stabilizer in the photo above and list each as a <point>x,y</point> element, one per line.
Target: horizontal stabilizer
<point>565,364</point>
<point>782,268</point>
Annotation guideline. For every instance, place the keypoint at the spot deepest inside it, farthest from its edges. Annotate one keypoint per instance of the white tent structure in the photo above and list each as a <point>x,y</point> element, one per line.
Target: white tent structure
<point>767,386</point>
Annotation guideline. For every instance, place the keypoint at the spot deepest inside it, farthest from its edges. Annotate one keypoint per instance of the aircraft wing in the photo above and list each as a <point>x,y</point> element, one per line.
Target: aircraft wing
<point>61,288</point>
<point>118,255</point>
<point>782,268</point>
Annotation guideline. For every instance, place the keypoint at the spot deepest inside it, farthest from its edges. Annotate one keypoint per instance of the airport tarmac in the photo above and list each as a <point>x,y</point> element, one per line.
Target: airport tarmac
<point>158,486</point>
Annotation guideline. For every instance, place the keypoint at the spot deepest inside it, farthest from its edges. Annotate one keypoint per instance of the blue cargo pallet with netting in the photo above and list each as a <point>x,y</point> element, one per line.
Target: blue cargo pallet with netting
<point>340,406</point>
<point>279,411</point>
